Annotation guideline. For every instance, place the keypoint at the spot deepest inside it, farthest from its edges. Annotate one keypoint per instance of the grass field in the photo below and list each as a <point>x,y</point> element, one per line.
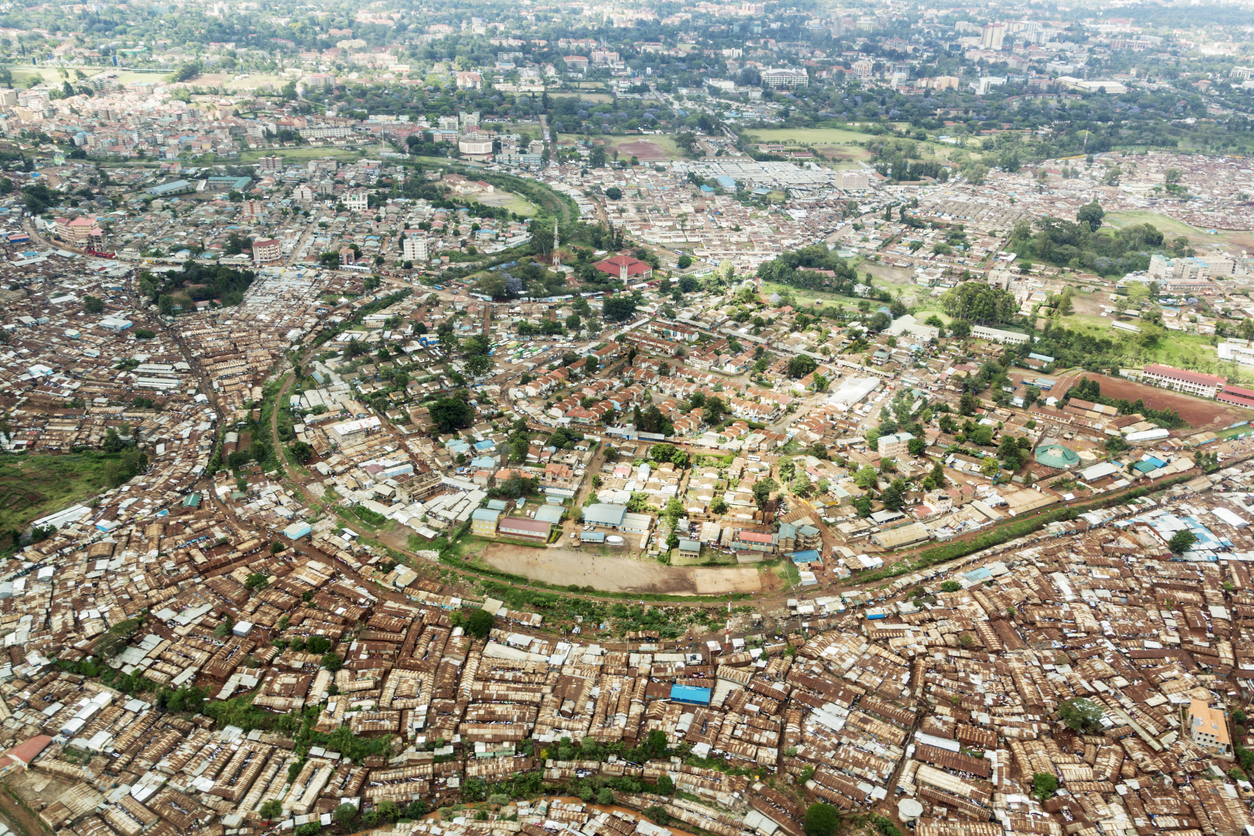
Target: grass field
<point>297,153</point>
<point>1185,351</point>
<point>832,142</point>
<point>842,144</point>
<point>1168,226</point>
<point>1201,240</point>
<point>37,485</point>
<point>510,201</point>
<point>599,98</point>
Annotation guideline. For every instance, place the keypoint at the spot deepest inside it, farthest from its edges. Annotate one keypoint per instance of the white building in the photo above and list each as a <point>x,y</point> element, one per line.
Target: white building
<point>414,248</point>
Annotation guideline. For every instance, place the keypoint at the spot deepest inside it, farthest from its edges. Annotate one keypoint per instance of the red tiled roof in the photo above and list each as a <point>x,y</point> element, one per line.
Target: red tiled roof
<point>1183,374</point>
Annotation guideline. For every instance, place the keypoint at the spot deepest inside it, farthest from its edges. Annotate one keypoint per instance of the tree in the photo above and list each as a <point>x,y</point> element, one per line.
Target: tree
<point>1091,215</point>
<point>762,490</point>
<point>800,366</point>
<point>801,483</point>
<point>821,820</point>
<point>1172,176</point>
<point>916,446</point>
<point>618,308</point>
<point>979,302</point>
<point>605,796</point>
<point>894,496</point>
<point>332,662</point>
<point>344,814</point>
<point>451,413</point>
<point>1044,784</point>
<point>683,264</point>
<point>714,410</point>
<point>270,809</point>
<point>303,451</point>
<point>718,506</point>
<point>866,477</point>
<point>614,193</point>
<point>1081,715</point>
<point>480,623</point>
<point>665,785</point>
<point>93,304</point>
<point>1181,541</point>
<point>968,404</point>
<point>950,586</point>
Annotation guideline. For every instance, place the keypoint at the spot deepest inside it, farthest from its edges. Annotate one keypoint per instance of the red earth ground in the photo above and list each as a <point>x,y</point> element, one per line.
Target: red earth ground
<point>1201,414</point>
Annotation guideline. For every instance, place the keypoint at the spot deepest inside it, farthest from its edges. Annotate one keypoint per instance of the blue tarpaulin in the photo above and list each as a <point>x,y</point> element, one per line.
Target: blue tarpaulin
<point>690,694</point>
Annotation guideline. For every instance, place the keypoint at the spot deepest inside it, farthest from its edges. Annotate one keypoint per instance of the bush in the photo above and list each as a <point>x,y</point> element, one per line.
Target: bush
<point>1081,715</point>
<point>950,586</point>
<point>821,820</point>
<point>479,624</point>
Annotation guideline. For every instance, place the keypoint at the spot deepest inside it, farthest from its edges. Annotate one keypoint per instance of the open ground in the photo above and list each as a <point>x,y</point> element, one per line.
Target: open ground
<point>832,143</point>
<point>644,148</point>
<point>562,567</point>
<point>35,486</point>
<point>1199,239</point>
<point>1200,413</point>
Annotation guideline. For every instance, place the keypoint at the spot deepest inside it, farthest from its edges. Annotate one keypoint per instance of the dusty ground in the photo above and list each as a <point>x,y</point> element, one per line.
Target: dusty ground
<point>643,150</point>
<point>37,790</point>
<point>1201,414</point>
<point>619,574</point>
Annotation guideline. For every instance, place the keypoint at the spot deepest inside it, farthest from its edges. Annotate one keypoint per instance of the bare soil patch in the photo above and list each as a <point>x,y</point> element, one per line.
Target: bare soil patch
<point>642,150</point>
<point>562,567</point>
<point>1200,413</point>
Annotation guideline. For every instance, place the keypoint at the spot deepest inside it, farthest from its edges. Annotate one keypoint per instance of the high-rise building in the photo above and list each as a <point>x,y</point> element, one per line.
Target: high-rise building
<point>414,247</point>
<point>993,35</point>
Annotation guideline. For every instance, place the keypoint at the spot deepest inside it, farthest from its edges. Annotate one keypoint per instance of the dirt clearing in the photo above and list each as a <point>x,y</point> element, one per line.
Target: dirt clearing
<point>563,567</point>
<point>643,150</point>
<point>1200,413</point>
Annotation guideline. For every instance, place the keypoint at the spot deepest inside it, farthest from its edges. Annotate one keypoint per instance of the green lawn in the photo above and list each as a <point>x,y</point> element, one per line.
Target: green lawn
<point>1168,226</point>
<point>1185,351</point>
<point>303,153</point>
<point>599,98</point>
<point>33,486</point>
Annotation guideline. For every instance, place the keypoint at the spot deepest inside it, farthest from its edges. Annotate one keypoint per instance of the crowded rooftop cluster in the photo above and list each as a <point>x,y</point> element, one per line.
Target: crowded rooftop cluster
<point>710,418</point>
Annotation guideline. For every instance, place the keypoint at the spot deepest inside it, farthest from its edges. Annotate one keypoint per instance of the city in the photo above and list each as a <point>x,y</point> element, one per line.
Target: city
<point>675,419</point>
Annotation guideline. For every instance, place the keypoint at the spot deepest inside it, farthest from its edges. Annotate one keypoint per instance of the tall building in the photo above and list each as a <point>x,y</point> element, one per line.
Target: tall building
<point>270,165</point>
<point>993,36</point>
<point>414,248</point>
<point>267,250</point>
<point>776,78</point>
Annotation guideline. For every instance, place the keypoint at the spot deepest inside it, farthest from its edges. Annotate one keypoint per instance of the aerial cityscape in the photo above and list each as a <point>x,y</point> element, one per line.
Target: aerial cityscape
<point>661,418</point>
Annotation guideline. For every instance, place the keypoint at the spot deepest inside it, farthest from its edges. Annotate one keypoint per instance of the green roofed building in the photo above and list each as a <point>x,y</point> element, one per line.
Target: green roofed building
<point>1056,456</point>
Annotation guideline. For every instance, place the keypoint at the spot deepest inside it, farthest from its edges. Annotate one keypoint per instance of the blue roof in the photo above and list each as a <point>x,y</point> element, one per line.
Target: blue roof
<point>808,556</point>
<point>726,182</point>
<point>691,694</point>
<point>592,536</point>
